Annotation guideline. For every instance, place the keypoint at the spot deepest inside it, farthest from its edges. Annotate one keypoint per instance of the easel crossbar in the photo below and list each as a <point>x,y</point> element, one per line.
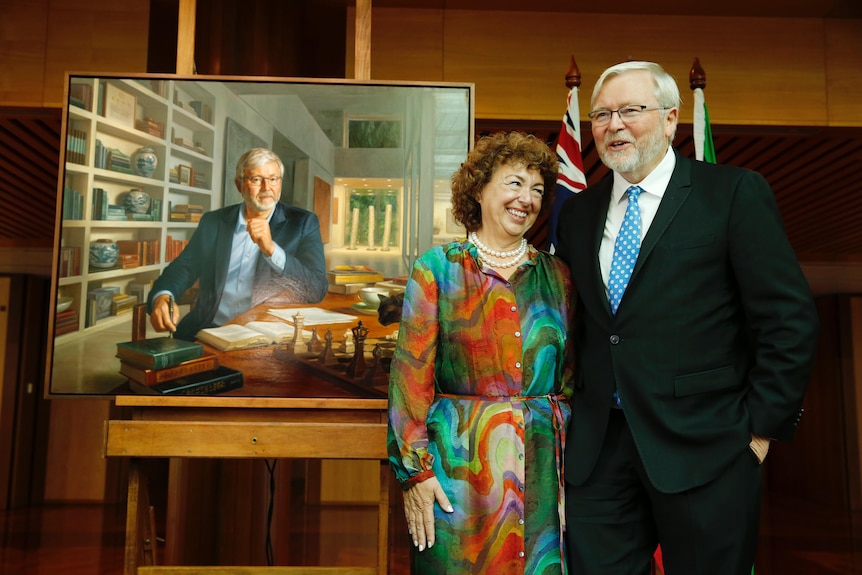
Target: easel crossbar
<point>226,439</point>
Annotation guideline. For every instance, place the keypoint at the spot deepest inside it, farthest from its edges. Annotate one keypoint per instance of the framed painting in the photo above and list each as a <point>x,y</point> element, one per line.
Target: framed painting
<point>185,174</point>
<point>119,106</point>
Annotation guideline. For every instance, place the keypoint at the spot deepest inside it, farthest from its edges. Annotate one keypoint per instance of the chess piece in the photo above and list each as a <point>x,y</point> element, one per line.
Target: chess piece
<point>327,356</point>
<point>347,345</point>
<point>296,344</point>
<point>314,345</point>
<point>377,354</point>
<point>357,364</point>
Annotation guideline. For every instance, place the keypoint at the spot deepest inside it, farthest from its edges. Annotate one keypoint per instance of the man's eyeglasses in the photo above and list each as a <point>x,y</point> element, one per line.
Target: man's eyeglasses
<point>256,181</point>
<point>628,114</point>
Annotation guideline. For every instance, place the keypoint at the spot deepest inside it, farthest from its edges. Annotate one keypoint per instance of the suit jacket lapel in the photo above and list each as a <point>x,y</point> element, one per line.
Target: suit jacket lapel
<point>600,205</point>
<point>675,195</point>
<point>224,243</point>
<point>277,222</point>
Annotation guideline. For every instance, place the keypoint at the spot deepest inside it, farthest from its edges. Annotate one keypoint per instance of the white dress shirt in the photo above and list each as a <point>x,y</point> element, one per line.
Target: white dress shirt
<point>653,186</point>
<point>239,283</point>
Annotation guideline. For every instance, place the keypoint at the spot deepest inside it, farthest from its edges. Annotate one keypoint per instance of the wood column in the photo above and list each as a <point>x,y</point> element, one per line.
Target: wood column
<point>362,50</point>
<point>186,37</point>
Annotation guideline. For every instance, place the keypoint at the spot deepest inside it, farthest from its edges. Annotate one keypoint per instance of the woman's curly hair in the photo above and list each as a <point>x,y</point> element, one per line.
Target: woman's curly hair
<point>489,153</point>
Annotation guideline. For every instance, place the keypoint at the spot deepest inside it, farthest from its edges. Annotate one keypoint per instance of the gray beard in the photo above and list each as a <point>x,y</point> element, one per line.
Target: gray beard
<point>645,149</point>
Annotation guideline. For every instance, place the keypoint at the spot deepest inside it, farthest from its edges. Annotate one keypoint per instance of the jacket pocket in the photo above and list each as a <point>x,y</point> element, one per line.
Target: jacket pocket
<point>693,242</point>
<point>705,381</point>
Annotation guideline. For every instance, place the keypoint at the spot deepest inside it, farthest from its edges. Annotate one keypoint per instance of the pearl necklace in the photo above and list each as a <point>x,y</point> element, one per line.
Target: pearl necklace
<point>485,251</point>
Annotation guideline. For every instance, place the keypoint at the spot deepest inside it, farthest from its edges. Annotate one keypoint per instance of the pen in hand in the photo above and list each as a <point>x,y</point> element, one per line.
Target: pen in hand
<point>171,313</point>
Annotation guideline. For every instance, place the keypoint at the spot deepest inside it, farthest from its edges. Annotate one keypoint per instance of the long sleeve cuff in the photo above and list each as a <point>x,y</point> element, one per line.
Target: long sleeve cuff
<point>277,259</point>
<point>418,478</point>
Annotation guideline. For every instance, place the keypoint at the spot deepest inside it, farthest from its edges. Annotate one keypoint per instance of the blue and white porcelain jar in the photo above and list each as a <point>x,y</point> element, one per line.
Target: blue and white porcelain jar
<point>144,161</point>
<point>103,253</point>
<point>137,201</point>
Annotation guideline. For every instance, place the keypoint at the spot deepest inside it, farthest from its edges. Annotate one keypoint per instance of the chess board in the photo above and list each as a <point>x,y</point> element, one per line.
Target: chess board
<point>367,375</point>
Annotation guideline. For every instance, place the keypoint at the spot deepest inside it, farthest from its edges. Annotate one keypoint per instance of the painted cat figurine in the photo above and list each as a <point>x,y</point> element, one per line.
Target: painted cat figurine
<point>389,311</point>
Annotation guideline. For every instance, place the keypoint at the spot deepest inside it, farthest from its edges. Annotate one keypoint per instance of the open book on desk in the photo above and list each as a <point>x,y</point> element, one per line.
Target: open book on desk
<point>253,334</point>
<point>312,315</point>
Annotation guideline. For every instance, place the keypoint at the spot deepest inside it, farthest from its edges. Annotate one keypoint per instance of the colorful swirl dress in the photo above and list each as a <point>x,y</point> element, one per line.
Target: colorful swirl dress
<point>478,398</point>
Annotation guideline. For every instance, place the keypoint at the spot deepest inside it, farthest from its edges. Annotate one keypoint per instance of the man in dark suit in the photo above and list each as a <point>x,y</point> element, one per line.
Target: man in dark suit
<point>683,380</point>
<point>243,254</point>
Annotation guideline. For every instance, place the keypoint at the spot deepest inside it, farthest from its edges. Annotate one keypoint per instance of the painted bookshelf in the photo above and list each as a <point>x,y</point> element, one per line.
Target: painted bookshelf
<point>110,121</point>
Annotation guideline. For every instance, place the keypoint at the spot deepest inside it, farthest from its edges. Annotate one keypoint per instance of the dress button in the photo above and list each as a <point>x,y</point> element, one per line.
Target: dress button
<point>520,521</point>
<point>517,334</point>
<point>514,308</point>
<point>520,488</point>
<point>615,339</point>
<point>518,364</point>
<point>521,456</point>
<point>520,553</point>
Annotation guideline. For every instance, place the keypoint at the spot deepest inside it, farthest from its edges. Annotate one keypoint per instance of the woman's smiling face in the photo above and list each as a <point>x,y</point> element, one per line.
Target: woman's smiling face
<point>510,204</point>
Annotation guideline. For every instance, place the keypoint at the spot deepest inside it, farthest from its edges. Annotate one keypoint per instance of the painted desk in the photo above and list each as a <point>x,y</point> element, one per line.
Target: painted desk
<point>282,412</point>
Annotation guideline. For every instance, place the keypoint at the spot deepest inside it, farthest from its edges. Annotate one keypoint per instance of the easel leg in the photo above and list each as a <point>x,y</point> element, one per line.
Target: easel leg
<point>140,523</point>
<point>383,520</point>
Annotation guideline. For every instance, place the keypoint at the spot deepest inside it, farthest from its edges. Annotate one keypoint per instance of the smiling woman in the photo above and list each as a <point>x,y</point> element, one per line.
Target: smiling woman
<point>481,308</point>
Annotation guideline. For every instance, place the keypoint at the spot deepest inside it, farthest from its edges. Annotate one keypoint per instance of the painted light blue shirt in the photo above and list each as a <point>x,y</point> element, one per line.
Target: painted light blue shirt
<point>239,283</point>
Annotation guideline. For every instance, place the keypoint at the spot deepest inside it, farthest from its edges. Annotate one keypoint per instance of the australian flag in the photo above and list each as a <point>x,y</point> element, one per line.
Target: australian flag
<point>571,178</point>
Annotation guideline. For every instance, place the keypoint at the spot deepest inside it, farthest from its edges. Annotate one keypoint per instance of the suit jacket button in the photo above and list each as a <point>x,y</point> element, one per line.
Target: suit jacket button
<point>615,339</point>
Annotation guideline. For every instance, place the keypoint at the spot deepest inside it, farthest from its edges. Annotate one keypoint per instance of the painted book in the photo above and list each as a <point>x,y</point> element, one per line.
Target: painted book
<point>211,382</point>
<point>353,274</point>
<point>206,362</point>
<point>158,352</point>
<point>253,334</point>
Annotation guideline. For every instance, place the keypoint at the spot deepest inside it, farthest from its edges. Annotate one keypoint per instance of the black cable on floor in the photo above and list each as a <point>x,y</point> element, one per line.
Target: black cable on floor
<point>270,465</point>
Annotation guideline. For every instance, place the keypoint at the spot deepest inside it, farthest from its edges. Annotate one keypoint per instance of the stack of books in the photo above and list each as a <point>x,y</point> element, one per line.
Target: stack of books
<point>100,160</point>
<point>145,252</point>
<point>116,213</point>
<point>70,261</point>
<point>350,279</point>
<point>81,95</point>
<point>186,212</point>
<point>76,146</point>
<point>100,204</point>
<point>99,304</point>
<point>118,161</point>
<point>73,204</point>
<point>151,127</point>
<point>123,303</point>
<point>66,321</point>
<point>168,366</point>
<point>174,247</point>
<point>202,110</point>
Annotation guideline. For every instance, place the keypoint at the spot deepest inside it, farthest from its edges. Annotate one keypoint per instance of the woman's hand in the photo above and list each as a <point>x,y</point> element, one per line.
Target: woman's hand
<point>419,509</point>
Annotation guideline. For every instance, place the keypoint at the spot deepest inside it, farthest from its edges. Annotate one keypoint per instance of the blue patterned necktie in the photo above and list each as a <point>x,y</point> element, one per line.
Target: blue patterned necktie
<point>626,249</point>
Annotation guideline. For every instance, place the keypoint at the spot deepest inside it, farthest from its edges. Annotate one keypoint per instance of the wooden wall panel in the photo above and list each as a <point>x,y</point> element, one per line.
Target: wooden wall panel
<point>88,36</point>
<point>844,71</point>
<point>405,44</point>
<point>76,470</point>
<point>23,29</point>
<point>761,71</point>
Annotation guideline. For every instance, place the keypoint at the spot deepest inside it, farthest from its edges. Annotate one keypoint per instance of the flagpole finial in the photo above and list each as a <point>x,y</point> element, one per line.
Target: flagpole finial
<point>573,76</point>
<point>697,76</point>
